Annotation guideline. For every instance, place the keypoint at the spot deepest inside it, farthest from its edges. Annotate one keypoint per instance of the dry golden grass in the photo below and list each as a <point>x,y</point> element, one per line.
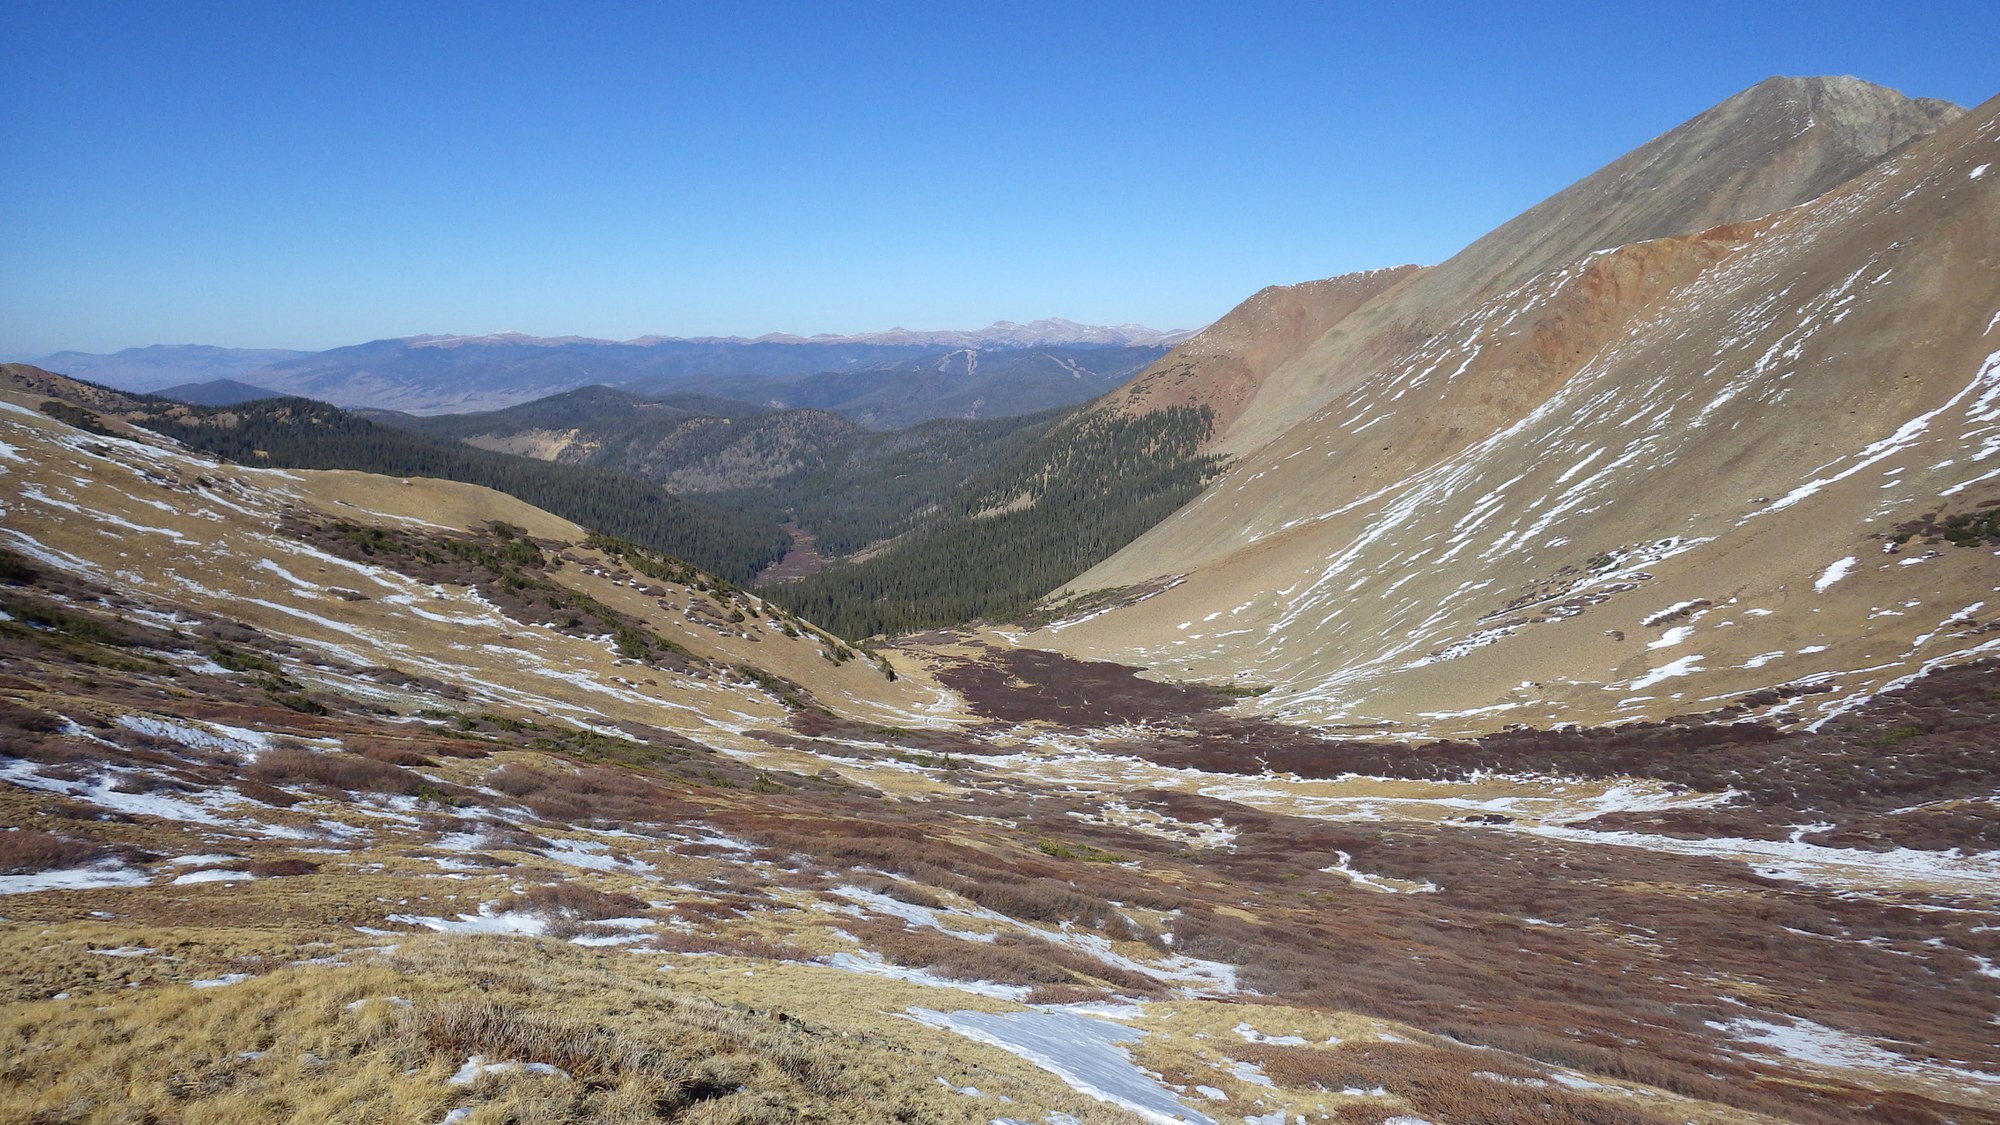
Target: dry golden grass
<point>379,1039</point>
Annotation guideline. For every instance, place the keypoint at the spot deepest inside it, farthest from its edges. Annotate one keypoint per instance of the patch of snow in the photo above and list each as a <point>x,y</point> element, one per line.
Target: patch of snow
<point>1833,573</point>
<point>1107,1009</point>
<point>484,922</point>
<point>1820,1045</point>
<point>1250,1072</point>
<point>1375,882</point>
<point>1087,1054</point>
<point>592,856</point>
<point>1686,665</point>
<point>214,875</point>
<point>192,860</point>
<point>476,1067</point>
<point>99,791</point>
<point>1668,613</point>
<point>1672,637</point>
<point>392,1001</point>
<point>1252,1035</point>
<point>873,965</point>
<point>104,873</point>
<point>907,911</point>
<point>219,982</point>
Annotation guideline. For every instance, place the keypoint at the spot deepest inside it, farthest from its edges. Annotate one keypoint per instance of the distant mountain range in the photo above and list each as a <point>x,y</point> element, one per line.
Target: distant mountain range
<point>893,378</point>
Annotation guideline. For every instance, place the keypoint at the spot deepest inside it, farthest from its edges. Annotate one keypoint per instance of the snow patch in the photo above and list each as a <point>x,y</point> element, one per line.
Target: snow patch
<point>1685,666</point>
<point>1821,1045</point>
<point>1833,573</point>
<point>1087,1054</point>
<point>476,1067</point>
<point>215,875</point>
<point>873,965</point>
<point>104,873</point>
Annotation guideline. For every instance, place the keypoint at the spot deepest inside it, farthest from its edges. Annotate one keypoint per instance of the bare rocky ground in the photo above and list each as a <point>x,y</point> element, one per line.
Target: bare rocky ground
<point>465,817</point>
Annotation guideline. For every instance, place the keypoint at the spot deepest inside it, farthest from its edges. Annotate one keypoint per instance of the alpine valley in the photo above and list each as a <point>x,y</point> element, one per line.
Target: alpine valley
<point>1559,684</point>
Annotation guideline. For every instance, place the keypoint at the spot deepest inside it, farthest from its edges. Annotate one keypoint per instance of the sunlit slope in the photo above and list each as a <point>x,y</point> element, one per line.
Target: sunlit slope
<point>1773,146</point>
<point>1645,482</point>
<point>290,554</point>
<point>1224,365</point>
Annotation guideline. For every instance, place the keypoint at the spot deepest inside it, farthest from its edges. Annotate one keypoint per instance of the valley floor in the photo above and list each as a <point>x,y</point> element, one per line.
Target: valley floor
<point>221,907</point>
<point>315,820</point>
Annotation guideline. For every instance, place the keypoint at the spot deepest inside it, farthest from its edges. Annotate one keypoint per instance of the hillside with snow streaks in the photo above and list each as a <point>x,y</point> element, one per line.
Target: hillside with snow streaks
<point>1486,529</point>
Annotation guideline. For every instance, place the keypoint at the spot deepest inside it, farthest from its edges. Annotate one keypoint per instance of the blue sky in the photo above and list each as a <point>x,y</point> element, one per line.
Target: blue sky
<point>281,175</point>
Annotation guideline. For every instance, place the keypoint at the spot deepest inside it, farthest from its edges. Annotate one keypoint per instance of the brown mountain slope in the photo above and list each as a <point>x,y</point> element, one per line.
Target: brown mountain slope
<point>1223,365</point>
<point>1648,482</point>
<point>1774,146</point>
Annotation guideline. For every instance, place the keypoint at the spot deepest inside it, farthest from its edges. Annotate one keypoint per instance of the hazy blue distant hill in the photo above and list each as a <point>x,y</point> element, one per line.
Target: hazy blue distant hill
<point>960,383</point>
<point>216,392</point>
<point>883,380</point>
<point>164,365</point>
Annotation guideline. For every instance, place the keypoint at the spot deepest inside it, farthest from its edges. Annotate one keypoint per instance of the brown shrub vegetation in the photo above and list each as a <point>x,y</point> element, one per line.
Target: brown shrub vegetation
<point>733,945</point>
<point>573,900</point>
<point>391,753</point>
<point>347,772</point>
<point>1444,1085</point>
<point>281,868</point>
<point>25,851</point>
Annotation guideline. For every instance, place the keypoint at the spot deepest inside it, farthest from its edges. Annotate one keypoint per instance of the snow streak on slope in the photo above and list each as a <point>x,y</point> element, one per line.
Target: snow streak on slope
<point>1486,529</point>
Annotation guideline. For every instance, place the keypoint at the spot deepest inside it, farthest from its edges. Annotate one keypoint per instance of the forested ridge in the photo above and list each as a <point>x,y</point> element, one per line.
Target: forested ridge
<point>883,484</point>
<point>1084,489</point>
<point>851,487</point>
<point>298,433</point>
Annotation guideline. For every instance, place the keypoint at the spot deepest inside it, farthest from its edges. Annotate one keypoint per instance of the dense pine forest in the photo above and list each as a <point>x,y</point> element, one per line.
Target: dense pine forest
<point>883,484</point>
<point>296,433</point>
<point>850,486</point>
<point>1086,488</point>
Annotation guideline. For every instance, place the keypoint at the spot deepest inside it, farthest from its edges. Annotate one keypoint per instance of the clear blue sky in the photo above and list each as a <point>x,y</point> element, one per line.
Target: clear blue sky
<point>294,175</point>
